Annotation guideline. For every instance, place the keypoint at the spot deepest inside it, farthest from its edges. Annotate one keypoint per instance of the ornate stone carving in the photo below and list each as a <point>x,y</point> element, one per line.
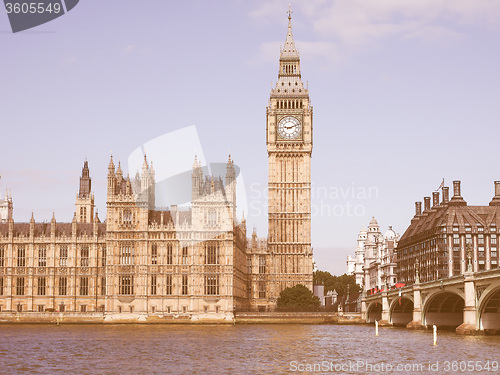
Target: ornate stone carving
<point>480,290</point>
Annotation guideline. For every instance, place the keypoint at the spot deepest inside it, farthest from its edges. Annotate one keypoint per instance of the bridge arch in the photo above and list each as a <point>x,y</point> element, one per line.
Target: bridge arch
<point>401,311</point>
<point>445,309</point>
<point>489,310</point>
<point>374,312</point>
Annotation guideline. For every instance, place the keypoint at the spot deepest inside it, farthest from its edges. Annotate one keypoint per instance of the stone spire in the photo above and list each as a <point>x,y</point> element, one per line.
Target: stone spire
<point>85,181</point>
<point>196,179</point>
<point>289,50</point>
<point>119,172</point>
<point>196,164</point>
<point>111,166</point>
<point>289,84</point>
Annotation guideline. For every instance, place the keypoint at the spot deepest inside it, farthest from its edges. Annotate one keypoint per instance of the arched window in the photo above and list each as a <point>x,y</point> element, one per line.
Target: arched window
<point>127,217</point>
<point>154,253</point>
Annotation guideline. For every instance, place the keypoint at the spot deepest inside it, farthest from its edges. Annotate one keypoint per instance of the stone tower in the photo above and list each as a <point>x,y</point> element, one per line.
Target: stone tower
<point>213,203</point>
<point>144,186</point>
<point>85,197</point>
<point>289,147</point>
<point>6,207</point>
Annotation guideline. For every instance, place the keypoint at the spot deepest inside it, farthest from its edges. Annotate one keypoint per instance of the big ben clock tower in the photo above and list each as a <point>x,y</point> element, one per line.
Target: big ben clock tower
<point>289,148</point>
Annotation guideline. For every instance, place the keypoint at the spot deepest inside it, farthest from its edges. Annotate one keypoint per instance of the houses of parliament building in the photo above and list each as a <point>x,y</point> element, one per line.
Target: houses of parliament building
<point>143,263</point>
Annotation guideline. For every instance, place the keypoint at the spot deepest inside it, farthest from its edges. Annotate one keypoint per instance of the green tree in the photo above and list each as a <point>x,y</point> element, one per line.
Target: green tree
<point>342,284</point>
<point>298,297</point>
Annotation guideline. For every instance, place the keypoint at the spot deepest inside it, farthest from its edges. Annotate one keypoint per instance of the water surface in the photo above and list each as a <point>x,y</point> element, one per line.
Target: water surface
<point>241,349</point>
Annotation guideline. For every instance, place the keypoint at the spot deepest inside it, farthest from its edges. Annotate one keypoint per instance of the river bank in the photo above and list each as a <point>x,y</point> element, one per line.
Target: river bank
<point>131,318</point>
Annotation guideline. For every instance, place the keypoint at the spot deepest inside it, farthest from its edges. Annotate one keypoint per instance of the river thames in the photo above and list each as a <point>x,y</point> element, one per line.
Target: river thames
<point>240,349</point>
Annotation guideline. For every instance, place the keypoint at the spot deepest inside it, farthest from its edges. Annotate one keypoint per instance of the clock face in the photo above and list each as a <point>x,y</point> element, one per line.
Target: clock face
<point>289,128</point>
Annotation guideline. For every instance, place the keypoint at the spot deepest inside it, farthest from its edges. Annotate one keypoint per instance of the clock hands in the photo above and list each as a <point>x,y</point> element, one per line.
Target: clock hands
<point>289,127</point>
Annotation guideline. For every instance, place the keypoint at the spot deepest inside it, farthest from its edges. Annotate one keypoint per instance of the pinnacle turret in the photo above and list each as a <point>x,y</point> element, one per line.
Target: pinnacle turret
<point>111,165</point>
<point>119,171</point>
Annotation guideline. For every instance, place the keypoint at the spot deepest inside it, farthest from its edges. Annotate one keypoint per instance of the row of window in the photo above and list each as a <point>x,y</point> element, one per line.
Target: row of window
<point>261,286</point>
<point>262,265</point>
<point>20,286</point>
<point>468,228</point>
<point>468,239</point>
<point>42,256</point>
<point>125,287</point>
<point>126,255</point>
<point>430,245</point>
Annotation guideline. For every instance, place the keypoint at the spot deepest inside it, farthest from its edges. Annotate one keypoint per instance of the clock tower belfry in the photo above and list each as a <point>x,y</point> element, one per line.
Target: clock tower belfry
<point>289,148</point>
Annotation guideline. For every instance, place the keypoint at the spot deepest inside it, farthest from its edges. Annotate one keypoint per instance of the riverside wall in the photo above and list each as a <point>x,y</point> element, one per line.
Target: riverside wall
<point>132,318</point>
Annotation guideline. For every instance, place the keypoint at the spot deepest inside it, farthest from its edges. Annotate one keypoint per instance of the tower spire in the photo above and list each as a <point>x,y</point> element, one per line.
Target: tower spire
<point>289,50</point>
<point>289,82</point>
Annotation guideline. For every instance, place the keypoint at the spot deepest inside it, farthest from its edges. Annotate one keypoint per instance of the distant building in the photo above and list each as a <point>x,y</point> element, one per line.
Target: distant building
<point>374,263</point>
<point>331,298</point>
<point>6,207</point>
<point>440,240</point>
<point>351,265</point>
<point>319,291</point>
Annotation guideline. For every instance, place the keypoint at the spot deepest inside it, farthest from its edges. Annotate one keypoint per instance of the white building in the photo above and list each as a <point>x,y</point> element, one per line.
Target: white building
<point>375,259</point>
<point>6,207</point>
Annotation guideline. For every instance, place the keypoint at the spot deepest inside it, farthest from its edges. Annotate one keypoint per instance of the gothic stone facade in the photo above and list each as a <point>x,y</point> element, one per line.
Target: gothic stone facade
<point>194,263</point>
<point>140,260</point>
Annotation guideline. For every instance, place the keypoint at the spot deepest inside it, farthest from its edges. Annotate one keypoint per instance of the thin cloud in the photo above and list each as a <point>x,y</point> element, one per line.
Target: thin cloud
<point>69,61</point>
<point>130,48</point>
<point>345,27</point>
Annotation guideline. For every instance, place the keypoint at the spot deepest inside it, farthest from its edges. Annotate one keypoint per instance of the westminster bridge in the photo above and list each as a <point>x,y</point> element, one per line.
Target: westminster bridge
<point>470,303</point>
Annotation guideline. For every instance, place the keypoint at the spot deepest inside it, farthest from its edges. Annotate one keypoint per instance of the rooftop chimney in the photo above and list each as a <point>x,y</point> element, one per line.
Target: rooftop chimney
<point>496,199</point>
<point>435,198</point>
<point>456,189</point>
<point>457,199</point>
<point>418,208</point>
<point>446,194</point>
<point>427,203</point>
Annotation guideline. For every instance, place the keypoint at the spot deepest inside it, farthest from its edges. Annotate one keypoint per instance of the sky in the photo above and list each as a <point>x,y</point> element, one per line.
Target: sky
<point>405,93</point>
